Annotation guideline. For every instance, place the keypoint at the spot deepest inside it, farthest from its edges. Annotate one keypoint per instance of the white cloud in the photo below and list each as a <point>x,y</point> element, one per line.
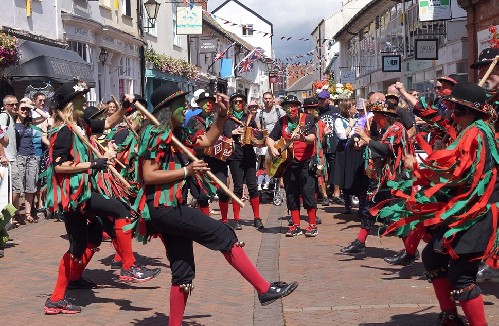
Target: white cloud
<point>291,18</point>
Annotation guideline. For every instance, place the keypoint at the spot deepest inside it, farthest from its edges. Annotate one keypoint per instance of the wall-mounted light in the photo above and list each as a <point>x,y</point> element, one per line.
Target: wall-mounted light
<point>152,8</point>
<point>103,56</point>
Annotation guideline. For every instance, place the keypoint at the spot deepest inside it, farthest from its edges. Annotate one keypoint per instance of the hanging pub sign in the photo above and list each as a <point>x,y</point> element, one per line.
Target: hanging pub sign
<point>189,20</point>
<point>273,77</point>
<point>208,45</point>
<point>426,49</point>
<point>430,10</point>
<point>391,63</point>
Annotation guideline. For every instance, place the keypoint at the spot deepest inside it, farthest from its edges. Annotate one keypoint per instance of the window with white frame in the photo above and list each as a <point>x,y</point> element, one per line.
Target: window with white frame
<point>83,49</point>
<point>126,7</point>
<point>125,69</point>
<point>177,39</point>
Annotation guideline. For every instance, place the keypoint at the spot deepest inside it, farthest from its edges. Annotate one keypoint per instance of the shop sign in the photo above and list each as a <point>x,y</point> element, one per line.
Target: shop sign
<point>347,76</point>
<point>208,45</point>
<point>189,20</point>
<point>426,49</point>
<point>391,63</point>
<point>430,10</point>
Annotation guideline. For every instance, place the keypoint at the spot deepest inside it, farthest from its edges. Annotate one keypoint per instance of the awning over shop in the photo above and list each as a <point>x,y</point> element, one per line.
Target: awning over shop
<point>40,62</point>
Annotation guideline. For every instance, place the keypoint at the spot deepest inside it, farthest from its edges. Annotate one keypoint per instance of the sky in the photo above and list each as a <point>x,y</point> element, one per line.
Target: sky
<point>296,18</point>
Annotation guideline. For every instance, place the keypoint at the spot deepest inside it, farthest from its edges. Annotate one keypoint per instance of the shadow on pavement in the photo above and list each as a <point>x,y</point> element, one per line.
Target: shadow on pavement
<point>141,260</point>
<point>162,319</point>
<point>109,278</point>
<point>409,320</point>
<point>401,272</point>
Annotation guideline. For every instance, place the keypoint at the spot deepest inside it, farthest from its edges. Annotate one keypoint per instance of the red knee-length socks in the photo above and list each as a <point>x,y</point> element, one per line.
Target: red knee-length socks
<point>255,205</point>
<point>239,260</point>
<point>178,301</point>
<point>295,216</point>
<point>474,311</point>
<point>443,288</point>
<point>224,210</point>
<point>65,267</point>
<point>77,270</point>
<point>205,210</point>
<point>312,216</point>
<point>124,241</point>
<point>412,240</point>
<point>362,236</point>
<point>236,209</point>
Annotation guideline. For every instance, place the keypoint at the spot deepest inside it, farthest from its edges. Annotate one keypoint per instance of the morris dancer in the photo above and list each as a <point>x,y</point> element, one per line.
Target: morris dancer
<point>242,161</point>
<point>164,171</point>
<point>299,179</point>
<point>71,186</point>
<point>458,199</point>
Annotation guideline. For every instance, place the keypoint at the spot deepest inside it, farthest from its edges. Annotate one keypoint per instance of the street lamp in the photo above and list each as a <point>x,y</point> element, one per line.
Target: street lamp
<point>103,56</point>
<point>152,8</point>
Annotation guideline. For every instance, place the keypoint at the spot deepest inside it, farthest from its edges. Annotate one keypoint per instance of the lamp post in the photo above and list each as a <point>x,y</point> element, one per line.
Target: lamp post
<point>103,56</point>
<point>152,8</point>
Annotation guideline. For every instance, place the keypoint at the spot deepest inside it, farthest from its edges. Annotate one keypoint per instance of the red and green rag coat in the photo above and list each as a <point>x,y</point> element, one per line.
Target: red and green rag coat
<point>455,193</point>
<point>155,144</point>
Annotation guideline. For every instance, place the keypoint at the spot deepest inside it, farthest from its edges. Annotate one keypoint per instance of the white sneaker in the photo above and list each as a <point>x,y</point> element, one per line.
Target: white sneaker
<point>259,187</point>
<point>265,186</point>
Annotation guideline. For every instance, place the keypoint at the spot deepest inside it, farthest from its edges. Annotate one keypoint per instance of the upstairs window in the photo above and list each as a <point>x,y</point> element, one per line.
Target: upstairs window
<point>248,29</point>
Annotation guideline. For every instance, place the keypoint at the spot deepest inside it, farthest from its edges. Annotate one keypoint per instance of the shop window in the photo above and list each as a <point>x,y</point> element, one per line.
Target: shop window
<point>248,29</point>
<point>83,49</point>
<point>125,69</point>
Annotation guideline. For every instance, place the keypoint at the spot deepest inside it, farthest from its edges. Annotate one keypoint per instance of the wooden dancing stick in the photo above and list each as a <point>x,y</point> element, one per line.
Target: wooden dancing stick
<point>106,150</point>
<point>191,156</point>
<point>489,71</point>
<point>118,105</point>
<point>95,150</point>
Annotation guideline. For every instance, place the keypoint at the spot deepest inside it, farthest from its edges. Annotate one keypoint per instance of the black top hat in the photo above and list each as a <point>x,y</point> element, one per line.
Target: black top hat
<point>165,94</point>
<point>236,95</point>
<point>486,57</point>
<point>91,112</point>
<point>68,91</point>
<point>290,99</point>
<point>205,96</point>
<point>310,102</point>
<point>391,96</point>
<point>470,95</point>
<point>140,99</point>
<point>384,108</point>
<point>452,79</point>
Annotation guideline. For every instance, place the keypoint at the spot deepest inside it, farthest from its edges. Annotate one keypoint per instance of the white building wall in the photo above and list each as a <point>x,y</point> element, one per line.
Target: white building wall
<point>44,20</point>
<point>235,13</point>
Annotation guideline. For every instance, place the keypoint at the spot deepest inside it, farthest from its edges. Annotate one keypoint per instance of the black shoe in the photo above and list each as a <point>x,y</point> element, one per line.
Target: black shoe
<point>325,201</point>
<point>318,220</point>
<point>61,306</point>
<point>136,274</point>
<point>155,271</point>
<point>337,200</point>
<point>116,264</point>
<point>258,223</point>
<point>355,247</point>
<point>290,222</point>
<point>2,254</point>
<point>401,258</point>
<point>237,225</point>
<point>81,283</point>
<point>277,290</point>
<point>347,211</point>
<point>446,319</point>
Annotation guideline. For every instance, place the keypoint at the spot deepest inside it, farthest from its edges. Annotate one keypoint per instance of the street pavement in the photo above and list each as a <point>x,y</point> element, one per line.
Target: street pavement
<point>334,289</point>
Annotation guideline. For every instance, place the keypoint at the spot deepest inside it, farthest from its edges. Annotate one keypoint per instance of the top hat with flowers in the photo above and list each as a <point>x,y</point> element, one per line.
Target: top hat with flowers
<point>486,57</point>
<point>67,92</point>
<point>387,108</point>
<point>291,99</point>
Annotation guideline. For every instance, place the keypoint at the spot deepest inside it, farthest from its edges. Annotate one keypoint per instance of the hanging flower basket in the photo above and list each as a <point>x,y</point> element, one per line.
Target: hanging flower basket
<point>9,51</point>
<point>494,37</point>
<point>171,65</point>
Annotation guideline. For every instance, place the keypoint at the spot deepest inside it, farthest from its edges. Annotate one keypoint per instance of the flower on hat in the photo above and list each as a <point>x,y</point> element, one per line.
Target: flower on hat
<point>80,86</point>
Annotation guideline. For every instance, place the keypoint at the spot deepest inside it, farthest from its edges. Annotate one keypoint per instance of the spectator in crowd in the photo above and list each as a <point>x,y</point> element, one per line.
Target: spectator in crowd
<point>26,161</point>
<point>41,149</point>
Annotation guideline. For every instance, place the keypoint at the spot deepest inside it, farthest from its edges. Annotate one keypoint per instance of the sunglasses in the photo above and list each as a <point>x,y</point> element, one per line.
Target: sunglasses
<point>12,104</point>
<point>23,108</point>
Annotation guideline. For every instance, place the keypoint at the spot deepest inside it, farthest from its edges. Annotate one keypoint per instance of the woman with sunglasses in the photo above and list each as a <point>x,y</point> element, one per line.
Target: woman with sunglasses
<point>241,163</point>
<point>455,193</point>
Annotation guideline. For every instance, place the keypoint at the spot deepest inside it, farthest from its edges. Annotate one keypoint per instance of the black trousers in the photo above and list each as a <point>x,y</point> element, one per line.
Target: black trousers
<point>461,272</point>
<point>244,172</point>
<point>300,181</point>
<point>181,226</point>
<point>219,169</point>
<point>84,228</point>
<point>330,159</point>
